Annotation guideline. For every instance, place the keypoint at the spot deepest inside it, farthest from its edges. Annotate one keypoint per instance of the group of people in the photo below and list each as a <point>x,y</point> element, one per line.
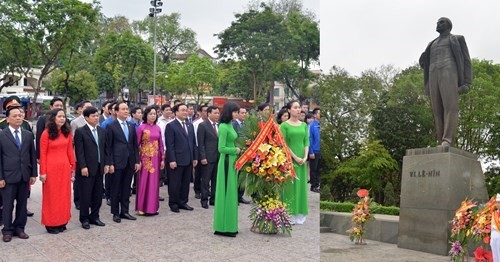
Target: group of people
<point>151,146</point>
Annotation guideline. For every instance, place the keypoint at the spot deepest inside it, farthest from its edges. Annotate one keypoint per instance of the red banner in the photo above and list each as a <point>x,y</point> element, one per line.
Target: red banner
<point>250,152</point>
<point>265,134</point>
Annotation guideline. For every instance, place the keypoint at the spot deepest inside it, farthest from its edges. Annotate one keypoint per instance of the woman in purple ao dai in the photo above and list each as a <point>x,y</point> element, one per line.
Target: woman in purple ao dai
<point>152,161</point>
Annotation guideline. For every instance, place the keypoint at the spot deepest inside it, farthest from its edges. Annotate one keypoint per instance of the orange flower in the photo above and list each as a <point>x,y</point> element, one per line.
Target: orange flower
<point>486,239</point>
<point>362,193</point>
<point>268,179</point>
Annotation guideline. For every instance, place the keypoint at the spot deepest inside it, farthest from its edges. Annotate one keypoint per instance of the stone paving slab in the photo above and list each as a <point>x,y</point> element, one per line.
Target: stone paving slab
<point>186,236</point>
<point>336,247</point>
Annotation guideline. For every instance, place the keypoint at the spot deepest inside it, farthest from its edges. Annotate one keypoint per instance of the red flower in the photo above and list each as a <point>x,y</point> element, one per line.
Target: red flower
<point>483,256</point>
<point>362,193</point>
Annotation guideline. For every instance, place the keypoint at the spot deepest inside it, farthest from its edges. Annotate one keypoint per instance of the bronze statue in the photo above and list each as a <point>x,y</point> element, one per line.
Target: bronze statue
<point>447,73</point>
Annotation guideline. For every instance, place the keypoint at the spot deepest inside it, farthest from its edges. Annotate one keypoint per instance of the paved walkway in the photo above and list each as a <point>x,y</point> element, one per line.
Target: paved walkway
<point>186,236</point>
<point>336,247</point>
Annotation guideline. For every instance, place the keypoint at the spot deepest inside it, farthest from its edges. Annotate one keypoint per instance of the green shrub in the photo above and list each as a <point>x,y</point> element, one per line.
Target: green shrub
<point>392,210</point>
<point>337,206</point>
<point>347,207</point>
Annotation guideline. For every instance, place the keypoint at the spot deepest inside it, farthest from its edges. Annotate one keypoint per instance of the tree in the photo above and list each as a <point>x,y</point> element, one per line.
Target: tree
<point>372,168</point>
<point>479,120</point>
<point>198,74</point>
<point>170,36</point>
<point>77,87</point>
<point>257,38</point>
<point>402,118</point>
<point>236,79</point>
<point>124,60</point>
<point>37,33</point>
<point>302,51</point>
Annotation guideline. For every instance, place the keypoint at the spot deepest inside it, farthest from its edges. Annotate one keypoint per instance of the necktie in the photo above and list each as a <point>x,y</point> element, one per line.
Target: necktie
<point>184,126</point>
<point>125,129</point>
<point>215,129</point>
<point>96,138</point>
<point>18,140</point>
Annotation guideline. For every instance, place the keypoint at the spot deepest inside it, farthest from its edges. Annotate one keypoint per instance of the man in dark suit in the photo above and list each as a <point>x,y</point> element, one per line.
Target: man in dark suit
<point>18,170</point>
<point>447,73</point>
<point>208,154</point>
<point>56,102</point>
<point>123,161</point>
<point>238,127</point>
<point>14,101</point>
<point>90,150</point>
<point>182,156</point>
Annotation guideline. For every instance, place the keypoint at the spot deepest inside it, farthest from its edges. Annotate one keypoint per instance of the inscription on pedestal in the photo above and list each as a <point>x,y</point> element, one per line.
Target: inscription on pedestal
<point>425,173</point>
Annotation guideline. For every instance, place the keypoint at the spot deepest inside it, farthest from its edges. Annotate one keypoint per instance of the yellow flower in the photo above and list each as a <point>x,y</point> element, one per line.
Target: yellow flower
<point>248,169</point>
<point>264,147</point>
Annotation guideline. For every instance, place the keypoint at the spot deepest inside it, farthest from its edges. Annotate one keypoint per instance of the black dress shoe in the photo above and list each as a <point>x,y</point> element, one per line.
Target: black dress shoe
<point>212,203</point>
<point>62,228</point>
<point>204,205</point>
<point>52,230</point>
<point>243,201</point>
<point>108,202</point>
<point>29,213</point>
<point>97,222</point>
<point>186,207</point>
<point>127,216</point>
<point>226,234</point>
<point>7,238</point>
<point>85,225</point>
<point>197,195</point>
<point>117,218</point>
<point>162,199</point>
<point>174,209</point>
<point>22,235</point>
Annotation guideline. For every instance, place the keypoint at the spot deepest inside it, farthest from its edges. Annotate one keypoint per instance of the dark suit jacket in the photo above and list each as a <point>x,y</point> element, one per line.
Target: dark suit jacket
<point>207,142</point>
<point>181,147</point>
<point>40,126</point>
<point>462,59</point>
<point>86,150</point>
<point>15,165</point>
<point>120,151</point>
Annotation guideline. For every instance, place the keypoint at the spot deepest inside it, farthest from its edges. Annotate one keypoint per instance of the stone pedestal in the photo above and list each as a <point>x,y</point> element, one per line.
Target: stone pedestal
<point>434,183</point>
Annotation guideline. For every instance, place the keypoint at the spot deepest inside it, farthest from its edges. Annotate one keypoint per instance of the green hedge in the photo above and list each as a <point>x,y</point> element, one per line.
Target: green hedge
<point>347,207</point>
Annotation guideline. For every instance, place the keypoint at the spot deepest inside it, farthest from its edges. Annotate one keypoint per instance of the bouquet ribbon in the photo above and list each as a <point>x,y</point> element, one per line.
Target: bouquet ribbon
<point>266,132</point>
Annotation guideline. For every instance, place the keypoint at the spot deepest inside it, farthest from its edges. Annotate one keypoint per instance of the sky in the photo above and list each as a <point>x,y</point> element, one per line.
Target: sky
<point>205,17</point>
<point>358,35</point>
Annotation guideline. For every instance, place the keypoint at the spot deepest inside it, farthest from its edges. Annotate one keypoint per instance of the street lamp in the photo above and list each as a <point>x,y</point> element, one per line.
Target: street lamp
<point>153,11</point>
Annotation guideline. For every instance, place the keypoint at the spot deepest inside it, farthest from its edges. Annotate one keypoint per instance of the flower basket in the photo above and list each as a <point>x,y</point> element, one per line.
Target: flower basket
<point>265,167</point>
<point>270,217</point>
<point>361,215</point>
